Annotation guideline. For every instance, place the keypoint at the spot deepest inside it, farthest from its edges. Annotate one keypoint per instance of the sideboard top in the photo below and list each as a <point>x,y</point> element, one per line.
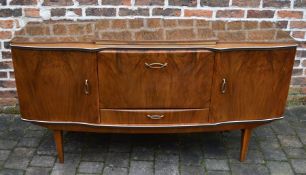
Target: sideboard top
<point>158,30</point>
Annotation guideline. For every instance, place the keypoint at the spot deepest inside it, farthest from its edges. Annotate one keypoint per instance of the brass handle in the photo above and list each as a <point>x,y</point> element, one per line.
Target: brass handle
<point>156,65</point>
<point>86,87</point>
<point>223,86</point>
<point>155,117</point>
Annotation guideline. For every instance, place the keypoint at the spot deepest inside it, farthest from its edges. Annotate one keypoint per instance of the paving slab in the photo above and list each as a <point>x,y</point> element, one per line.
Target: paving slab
<point>277,148</point>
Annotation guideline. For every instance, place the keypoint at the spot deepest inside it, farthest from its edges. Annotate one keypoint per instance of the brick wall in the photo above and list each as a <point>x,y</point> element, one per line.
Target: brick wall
<point>14,14</point>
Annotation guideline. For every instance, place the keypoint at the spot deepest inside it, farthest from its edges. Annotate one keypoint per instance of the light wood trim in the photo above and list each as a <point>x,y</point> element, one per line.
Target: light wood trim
<point>95,47</point>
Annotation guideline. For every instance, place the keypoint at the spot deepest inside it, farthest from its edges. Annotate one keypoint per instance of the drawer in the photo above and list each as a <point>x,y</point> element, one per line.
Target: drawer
<point>155,79</point>
<point>177,116</point>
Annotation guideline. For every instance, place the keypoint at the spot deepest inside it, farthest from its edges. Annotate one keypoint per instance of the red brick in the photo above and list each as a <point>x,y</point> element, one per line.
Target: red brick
<point>125,35</point>
<point>300,3</point>
<point>5,35</point>
<point>102,25</point>
<point>199,13</point>
<point>218,25</point>
<point>290,14</point>
<point>8,94</point>
<point>260,14</point>
<point>246,3</point>
<point>166,12</point>
<point>3,75</point>
<point>180,34</point>
<point>298,34</point>
<point>296,63</point>
<point>57,3</point>
<point>202,23</point>
<point>303,89</point>
<point>190,3</point>
<point>35,30</point>
<point>23,2</point>
<point>282,24</point>
<point>230,14</point>
<point>170,23</point>
<point>88,2</point>
<point>276,3</point>
<point>3,2</point>
<point>8,101</point>
<point>265,24</point>
<point>116,2</point>
<point>234,25</point>
<point>58,12</point>
<point>231,36</point>
<point>149,2</point>
<point>215,3</point>
<point>12,74</point>
<point>302,54</point>
<point>6,24</point>
<point>261,35</point>
<point>32,12</point>
<point>134,12</point>
<point>298,24</point>
<point>149,35</point>
<point>6,65</point>
<point>304,63</point>
<point>136,24</point>
<point>119,23</point>
<point>6,55</point>
<point>59,29</point>
<point>7,84</point>
<point>297,72</point>
<point>101,12</point>
<point>154,23</point>
<point>298,80</point>
<point>10,12</point>
<point>77,11</point>
<point>185,23</point>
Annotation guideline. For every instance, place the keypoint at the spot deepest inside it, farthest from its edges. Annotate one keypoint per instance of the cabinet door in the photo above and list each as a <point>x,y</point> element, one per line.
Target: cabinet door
<point>255,84</point>
<point>155,79</point>
<point>51,85</point>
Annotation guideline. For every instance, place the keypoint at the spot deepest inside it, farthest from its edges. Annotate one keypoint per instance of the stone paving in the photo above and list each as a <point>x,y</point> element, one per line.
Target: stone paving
<point>278,148</point>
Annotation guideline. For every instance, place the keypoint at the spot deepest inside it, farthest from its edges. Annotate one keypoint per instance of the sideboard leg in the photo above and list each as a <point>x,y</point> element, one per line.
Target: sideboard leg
<point>58,138</point>
<point>245,139</point>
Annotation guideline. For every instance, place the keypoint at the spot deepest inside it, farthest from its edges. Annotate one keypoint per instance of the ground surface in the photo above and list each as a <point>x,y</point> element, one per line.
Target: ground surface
<point>278,148</point>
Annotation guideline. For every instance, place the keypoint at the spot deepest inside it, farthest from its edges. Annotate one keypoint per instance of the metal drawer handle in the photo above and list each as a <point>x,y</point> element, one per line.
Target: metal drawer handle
<point>156,65</point>
<point>86,87</point>
<point>223,86</point>
<point>155,117</point>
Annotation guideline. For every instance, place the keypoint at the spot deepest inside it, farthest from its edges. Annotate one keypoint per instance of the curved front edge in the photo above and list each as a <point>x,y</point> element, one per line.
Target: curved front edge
<point>49,123</point>
<point>152,129</point>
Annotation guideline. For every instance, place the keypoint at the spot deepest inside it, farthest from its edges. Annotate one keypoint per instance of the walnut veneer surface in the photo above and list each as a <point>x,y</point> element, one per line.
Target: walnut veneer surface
<point>152,75</point>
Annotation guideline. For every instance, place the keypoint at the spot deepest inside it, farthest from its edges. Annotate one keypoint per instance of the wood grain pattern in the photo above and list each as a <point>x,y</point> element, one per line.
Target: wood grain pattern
<point>58,138</point>
<point>50,85</point>
<point>143,116</point>
<point>125,82</point>
<point>245,139</point>
<point>257,84</point>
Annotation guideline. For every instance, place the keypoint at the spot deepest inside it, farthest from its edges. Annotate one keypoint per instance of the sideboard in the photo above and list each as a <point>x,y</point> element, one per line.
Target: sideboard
<point>143,76</point>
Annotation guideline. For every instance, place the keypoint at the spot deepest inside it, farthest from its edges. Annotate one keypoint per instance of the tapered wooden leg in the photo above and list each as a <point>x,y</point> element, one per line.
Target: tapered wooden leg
<point>58,138</point>
<point>245,139</point>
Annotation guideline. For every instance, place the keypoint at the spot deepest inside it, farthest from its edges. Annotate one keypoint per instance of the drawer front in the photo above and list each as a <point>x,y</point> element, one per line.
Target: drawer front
<point>184,116</point>
<point>155,79</point>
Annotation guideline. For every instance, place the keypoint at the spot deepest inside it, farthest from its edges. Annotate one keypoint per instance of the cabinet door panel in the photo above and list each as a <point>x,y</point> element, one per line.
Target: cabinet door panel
<point>182,81</point>
<point>257,84</point>
<point>51,85</point>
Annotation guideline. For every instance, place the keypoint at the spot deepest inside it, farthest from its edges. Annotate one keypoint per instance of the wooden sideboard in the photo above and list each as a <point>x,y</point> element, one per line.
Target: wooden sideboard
<point>155,81</point>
